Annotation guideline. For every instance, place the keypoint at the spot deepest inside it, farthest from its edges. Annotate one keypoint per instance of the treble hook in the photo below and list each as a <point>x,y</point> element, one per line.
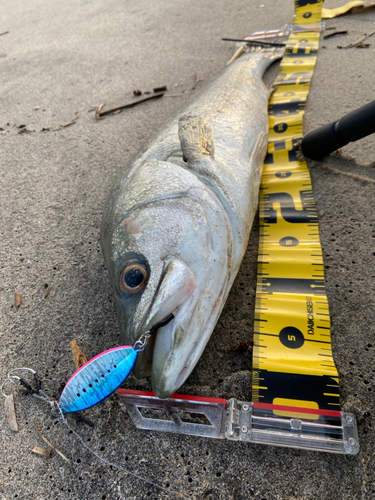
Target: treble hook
<point>2,385</point>
<point>21,381</point>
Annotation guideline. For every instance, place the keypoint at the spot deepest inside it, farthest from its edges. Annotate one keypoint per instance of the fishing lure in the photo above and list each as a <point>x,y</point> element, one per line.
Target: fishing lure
<point>124,357</point>
<point>102,375</point>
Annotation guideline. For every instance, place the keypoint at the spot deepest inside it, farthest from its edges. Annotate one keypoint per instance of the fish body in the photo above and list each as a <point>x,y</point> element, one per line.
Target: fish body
<point>176,227</point>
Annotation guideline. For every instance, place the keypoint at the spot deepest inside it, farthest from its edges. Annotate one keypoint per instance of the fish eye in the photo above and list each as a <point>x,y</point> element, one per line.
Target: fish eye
<point>132,277</point>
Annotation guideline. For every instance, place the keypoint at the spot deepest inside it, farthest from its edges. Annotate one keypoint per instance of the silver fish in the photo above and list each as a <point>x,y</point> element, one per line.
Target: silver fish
<point>176,227</point>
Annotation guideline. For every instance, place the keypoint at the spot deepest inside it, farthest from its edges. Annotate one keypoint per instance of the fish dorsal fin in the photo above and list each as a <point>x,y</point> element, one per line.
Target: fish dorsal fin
<point>196,138</point>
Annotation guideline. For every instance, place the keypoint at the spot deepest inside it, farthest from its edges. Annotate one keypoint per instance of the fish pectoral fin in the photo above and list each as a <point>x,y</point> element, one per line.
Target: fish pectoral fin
<point>196,138</point>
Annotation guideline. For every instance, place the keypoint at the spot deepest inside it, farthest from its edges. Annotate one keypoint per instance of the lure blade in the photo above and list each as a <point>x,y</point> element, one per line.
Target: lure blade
<point>97,379</point>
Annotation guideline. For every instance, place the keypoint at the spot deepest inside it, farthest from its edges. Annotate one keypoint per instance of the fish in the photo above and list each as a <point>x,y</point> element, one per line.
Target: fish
<point>177,224</point>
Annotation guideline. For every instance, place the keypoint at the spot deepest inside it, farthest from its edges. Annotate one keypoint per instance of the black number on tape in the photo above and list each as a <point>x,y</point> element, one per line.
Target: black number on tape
<point>288,209</point>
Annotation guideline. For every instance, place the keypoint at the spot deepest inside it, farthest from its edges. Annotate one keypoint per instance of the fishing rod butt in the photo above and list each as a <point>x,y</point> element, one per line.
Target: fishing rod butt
<point>350,128</point>
<point>321,142</point>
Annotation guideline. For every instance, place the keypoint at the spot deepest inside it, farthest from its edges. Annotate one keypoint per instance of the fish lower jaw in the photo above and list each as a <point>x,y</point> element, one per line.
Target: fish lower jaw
<point>164,392</point>
<point>143,367</point>
<point>168,386</point>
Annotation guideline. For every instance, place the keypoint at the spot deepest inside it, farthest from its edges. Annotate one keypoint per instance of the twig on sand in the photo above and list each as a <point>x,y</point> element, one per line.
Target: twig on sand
<point>10,413</point>
<point>17,299</point>
<point>359,43</point>
<point>51,445</point>
<point>42,451</point>
<point>78,356</point>
<point>99,115</point>
<point>236,55</point>
<point>336,33</point>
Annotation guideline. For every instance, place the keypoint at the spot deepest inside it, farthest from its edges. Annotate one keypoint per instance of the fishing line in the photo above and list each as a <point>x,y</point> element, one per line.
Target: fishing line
<point>41,395</point>
<point>115,465</point>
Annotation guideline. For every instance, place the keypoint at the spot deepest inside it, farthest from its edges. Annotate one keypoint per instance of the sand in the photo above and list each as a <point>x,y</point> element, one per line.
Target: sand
<point>58,62</point>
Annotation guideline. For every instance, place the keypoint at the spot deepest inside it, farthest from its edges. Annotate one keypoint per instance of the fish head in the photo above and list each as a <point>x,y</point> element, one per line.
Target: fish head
<point>170,256</point>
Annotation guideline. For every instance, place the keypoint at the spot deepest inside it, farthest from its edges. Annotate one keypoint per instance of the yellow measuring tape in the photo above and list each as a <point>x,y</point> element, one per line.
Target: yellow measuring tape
<point>293,365</point>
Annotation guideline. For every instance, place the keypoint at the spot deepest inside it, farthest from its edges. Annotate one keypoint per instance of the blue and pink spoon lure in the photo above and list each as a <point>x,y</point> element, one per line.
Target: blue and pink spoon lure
<point>101,376</point>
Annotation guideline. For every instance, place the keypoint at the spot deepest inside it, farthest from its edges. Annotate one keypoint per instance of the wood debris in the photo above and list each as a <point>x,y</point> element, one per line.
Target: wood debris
<point>61,126</point>
<point>78,356</point>
<point>359,43</point>
<point>23,129</point>
<point>160,89</point>
<point>17,299</point>
<point>44,129</point>
<point>100,114</point>
<point>237,54</point>
<point>242,346</point>
<point>42,451</point>
<point>335,33</point>
<point>47,292</point>
<point>70,123</point>
<point>97,115</point>
<point>197,80</point>
<point>52,446</point>
<point>10,413</point>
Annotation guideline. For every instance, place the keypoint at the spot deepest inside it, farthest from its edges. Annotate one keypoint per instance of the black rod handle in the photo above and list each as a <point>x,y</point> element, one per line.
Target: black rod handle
<point>351,127</point>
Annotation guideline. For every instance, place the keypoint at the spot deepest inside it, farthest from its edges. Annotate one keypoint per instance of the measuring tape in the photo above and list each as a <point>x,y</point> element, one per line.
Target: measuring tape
<point>293,365</point>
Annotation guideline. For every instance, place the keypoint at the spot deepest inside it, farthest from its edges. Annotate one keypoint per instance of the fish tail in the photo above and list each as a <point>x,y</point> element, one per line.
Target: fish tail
<point>264,55</point>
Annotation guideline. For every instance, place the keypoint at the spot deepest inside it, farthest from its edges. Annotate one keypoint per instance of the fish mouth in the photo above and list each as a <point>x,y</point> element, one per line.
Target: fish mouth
<point>170,352</point>
<point>163,340</point>
<point>174,350</point>
<point>173,296</point>
<point>179,345</point>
